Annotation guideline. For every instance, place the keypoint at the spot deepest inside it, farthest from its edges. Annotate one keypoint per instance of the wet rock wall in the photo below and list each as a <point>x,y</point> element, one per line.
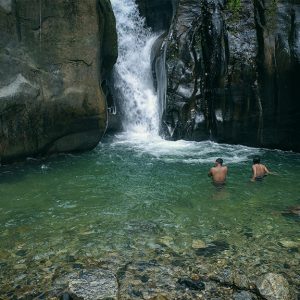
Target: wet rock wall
<point>232,69</point>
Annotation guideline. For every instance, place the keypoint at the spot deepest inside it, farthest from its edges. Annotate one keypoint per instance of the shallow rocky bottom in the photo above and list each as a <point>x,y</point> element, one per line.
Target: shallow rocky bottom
<point>206,272</point>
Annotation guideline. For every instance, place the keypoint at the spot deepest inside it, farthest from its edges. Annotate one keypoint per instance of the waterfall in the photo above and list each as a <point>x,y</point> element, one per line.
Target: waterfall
<point>133,82</point>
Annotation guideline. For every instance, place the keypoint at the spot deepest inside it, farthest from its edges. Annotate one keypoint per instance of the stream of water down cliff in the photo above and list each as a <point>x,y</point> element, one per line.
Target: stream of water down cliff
<point>139,197</point>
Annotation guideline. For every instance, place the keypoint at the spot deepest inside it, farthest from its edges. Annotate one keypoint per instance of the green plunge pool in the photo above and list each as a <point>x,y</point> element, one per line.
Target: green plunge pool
<point>132,197</point>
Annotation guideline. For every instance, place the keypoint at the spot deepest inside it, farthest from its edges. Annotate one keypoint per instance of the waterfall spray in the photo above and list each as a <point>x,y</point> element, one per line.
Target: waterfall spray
<point>133,83</point>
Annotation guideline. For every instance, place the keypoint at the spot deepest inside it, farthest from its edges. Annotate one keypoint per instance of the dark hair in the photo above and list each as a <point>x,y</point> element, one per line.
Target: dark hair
<point>256,160</point>
<point>219,160</point>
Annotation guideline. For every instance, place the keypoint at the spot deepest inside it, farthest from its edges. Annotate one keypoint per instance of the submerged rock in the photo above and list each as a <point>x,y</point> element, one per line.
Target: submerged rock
<point>289,244</point>
<point>93,285</point>
<point>213,248</point>
<point>192,284</point>
<point>243,295</point>
<point>166,241</point>
<point>198,244</point>
<point>21,252</point>
<point>292,212</point>
<point>274,287</point>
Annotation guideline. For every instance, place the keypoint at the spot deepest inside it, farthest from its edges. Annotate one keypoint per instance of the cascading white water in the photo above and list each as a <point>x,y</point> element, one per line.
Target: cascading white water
<point>133,81</point>
<point>133,87</point>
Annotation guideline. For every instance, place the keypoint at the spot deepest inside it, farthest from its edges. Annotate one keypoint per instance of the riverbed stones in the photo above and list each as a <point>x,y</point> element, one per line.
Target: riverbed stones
<point>292,212</point>
<point>192,284</point>
<point>96,284</point>
<point>274,287</point>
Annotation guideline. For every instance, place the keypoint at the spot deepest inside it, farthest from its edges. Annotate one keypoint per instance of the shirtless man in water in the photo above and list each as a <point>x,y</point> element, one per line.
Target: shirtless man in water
<point>259,171</point>
<point>218,172</point>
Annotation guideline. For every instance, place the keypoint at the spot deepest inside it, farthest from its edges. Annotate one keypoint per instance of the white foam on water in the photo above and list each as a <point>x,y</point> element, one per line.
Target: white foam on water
<point>189,152</point>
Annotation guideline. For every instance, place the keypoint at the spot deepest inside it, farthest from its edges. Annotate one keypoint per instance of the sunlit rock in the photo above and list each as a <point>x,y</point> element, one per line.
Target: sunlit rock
<point>93,285</point>
<point>198,244</point>
<point>274,287</point>
<point>166,240</point>
<point>289,244</point>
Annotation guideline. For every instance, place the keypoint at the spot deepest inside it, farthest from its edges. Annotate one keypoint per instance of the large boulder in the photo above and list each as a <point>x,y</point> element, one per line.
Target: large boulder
<point>54,55</point>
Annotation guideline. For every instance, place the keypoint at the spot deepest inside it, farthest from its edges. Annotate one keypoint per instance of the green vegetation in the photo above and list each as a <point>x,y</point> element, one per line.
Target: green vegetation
<point>234,6</point>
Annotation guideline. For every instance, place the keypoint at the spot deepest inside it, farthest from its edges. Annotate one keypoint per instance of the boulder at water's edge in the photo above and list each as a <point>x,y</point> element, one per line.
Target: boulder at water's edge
<point>54,56</point>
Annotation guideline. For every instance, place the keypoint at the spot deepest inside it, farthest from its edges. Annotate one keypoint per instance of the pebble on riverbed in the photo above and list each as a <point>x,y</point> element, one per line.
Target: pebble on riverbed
<point>198,244</point>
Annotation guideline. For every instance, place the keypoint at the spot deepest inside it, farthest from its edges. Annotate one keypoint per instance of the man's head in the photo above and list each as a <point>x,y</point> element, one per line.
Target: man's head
<point>256,160</point>
<point>219,161</point>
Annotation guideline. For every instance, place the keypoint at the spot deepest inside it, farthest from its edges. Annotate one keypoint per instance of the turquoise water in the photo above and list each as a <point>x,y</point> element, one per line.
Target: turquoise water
<point>132,197</point>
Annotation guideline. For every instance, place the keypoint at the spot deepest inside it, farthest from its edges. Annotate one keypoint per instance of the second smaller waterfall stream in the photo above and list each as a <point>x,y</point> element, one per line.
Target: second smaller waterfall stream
<point>133,81</point>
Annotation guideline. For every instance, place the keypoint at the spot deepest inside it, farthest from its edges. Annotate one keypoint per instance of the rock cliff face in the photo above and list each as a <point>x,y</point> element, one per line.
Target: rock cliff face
<point>232,70</point>
<point>54,55</point>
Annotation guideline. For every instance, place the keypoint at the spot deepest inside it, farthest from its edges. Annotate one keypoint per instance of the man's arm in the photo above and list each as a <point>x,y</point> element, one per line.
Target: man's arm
<point>210,173</point>
<point>253,173</point>
<point>226,170</point>
<point>268,172</point>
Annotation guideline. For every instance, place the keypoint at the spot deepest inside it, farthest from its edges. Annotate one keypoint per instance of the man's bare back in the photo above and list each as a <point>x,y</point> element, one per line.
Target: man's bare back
<point>219,172</point>
<point>259,171</point>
